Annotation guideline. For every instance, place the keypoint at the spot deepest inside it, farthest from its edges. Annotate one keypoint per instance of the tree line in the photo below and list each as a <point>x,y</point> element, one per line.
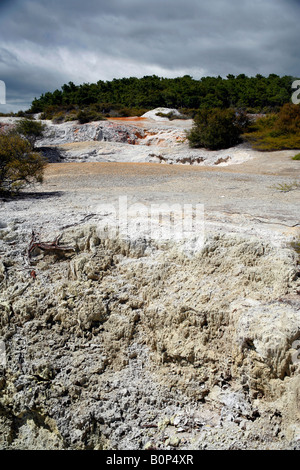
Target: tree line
<point>252,94</point>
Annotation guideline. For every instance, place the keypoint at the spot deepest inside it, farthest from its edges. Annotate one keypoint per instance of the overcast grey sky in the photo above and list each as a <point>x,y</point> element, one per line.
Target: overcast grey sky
<point>46,43</point>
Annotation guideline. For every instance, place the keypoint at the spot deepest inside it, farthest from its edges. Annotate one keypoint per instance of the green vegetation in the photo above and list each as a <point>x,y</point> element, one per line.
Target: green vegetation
<point>224,98</point>
<point>20,165</point>
<point>287,187</point>
<point>122,97</point>
<point>30,129</point>
<point>276,131</point>
<point>89,114</point>
<point>62,113</point>
<point>296,157</point>
<point>217,128</point>
<point>216,104</point>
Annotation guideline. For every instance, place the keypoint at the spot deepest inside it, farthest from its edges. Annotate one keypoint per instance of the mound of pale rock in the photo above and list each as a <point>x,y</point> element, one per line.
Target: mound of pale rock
<point>156,114</point>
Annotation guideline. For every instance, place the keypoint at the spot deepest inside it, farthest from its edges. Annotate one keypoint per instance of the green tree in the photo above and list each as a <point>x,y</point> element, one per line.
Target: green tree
<point>19,164</point>
<point>254,94</point>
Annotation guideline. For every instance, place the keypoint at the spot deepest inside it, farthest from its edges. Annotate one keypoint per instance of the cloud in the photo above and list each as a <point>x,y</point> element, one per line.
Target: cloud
<point>47,43</point>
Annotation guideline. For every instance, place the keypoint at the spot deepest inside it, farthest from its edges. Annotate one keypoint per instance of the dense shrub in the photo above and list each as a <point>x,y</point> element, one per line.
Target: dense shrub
<point>19,164</point>
<point>70,116</point>
<point>59,117</point>
<point>217,128</point>
<point>277,131</point>
<point>89,115</point>
<point>289,119</point>
<point>60,113</point>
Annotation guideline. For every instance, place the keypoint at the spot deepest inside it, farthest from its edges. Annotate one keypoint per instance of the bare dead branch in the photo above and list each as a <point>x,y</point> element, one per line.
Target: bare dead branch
<point>49,246</point>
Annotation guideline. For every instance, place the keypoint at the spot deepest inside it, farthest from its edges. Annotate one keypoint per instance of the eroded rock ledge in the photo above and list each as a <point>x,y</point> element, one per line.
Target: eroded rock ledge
<point>134,345</point>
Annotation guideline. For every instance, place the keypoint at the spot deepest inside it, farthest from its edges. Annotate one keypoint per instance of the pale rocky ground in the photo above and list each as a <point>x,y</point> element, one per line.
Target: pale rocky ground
<point>138,342</point>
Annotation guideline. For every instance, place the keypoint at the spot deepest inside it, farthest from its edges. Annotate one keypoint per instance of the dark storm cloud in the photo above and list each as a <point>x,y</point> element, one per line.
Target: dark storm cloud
<point>47,43</point>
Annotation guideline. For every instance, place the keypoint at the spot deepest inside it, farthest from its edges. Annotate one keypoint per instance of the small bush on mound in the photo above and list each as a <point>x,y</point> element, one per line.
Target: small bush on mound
<point>216,129</point>
<point>279,131</point>
<point>89,115</point>
<point>172,116</point>
<point>59,117</point>
<point>19,164</point>
<point>70,116</point>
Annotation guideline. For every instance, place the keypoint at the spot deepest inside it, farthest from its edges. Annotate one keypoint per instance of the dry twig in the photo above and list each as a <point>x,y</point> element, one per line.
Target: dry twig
<point>53,247</point>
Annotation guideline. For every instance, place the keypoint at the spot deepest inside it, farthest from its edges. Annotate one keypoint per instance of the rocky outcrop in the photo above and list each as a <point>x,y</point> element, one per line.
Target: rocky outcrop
<point>153,139</point>
<point>106,141</point>
<point>110,131</point>
<point>163,114</point>
<point>107,131</point>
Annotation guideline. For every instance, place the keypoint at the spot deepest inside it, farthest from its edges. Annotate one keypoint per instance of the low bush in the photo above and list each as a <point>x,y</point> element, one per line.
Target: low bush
<point>89,115</point>
<point>277,131</point>
<point>216,129</point>
<point>59,117</point>
<point>30,129</point>
<point>59,113</point>
<point>19,164</point>
<point>71,116</point>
